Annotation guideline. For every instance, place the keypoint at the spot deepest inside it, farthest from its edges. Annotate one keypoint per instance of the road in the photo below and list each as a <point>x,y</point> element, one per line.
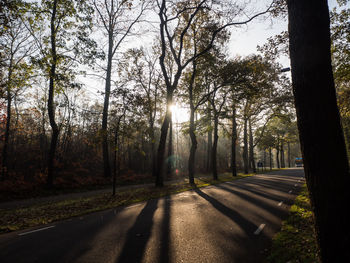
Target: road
<point>230,222</point>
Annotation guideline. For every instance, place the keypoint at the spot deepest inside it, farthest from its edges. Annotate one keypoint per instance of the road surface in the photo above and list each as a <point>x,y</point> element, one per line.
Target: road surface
<point>230,222</point>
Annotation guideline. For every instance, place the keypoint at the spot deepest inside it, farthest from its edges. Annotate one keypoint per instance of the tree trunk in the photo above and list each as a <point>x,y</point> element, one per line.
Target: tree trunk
<point>283,165</point>
<point>270,158</point>
<point>215,146</point>
<point>115,161</point>
<point>245,146</point>
<point>210,142</point>
<point>289,159</point>
<point>233,143</point>
<point>321,136</point>
<point>7,131</point>
<point>278,156</point>
<point>170,147</point>
<point>50,102</point>
<point>251,148</point>
<point>104,132</point>
<point>162,141</point>
<point>192,157</point>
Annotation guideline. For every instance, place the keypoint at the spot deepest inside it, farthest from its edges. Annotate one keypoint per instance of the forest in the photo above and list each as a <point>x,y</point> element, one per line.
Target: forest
<point>100,92</point>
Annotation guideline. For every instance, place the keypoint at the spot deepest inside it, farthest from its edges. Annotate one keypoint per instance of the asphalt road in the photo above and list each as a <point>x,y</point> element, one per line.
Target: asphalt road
<point>230,222</point>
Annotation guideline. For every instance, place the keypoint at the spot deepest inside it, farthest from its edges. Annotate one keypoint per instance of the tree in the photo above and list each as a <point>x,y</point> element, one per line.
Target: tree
<point>174,30</point>
<point>59,52</point>
<point>340,36</point>
<point>16,45</point>
<point>117,19</point>
<point>321,136</point>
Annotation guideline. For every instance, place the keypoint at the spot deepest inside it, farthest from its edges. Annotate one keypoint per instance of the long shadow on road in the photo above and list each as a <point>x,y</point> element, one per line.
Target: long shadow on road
<point>138,236</point>
<point>246,225</point>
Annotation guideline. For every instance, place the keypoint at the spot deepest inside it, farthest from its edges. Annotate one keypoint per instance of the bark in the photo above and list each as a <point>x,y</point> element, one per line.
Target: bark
<point>283,165</point>
<point>270,158</point>
<point>245,146</point>
<point>210,142</point>
<point>194,143</point>
<point>233,143</point>
<point>215,147</point>
<point>7,128</point>
<point>104,132</point>
<point>251,148</point>
<point>321,136</point>
<point>289,159</point>
<point>50,102</point>
<point>162,141</point>
<point>278,156</point>
<point>170,147</point>
<point>115,161</point>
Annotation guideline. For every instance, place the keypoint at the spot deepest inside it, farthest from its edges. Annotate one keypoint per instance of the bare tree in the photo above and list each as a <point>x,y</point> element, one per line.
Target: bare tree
<point>117,19</point>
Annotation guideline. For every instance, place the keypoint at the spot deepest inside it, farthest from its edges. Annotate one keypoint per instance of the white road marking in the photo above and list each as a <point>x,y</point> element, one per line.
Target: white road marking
<point>36,230</point>
<point>280,203</point>
<point>260,228</point>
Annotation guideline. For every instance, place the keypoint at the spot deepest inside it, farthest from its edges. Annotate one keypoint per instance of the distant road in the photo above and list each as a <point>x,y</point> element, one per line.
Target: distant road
<point>230,222</point>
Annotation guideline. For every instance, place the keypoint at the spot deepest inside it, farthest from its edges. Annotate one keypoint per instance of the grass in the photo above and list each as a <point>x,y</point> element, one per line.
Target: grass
<point>21,218</point>
<point>296,242</point>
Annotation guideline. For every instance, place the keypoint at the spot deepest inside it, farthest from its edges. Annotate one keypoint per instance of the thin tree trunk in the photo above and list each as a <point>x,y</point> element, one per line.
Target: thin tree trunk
<point>321,136</point>
<point>115,161</point>
<point>210,142</point>
<point>215,147</point>
<point>170,147</point>
<point>50,102</point>
<point>289,159</point>
<point>104,132</point>
<point>192,157</point>
<point>278,156</point>
<point>233,143</point>
<point>7,132</point>
<point>251,148</point>
<point>245,146</point>
<point>270,157</point>
<point>283,165</point>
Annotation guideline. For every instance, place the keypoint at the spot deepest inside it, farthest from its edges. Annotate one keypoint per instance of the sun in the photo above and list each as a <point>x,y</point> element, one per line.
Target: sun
<point>179,114</point>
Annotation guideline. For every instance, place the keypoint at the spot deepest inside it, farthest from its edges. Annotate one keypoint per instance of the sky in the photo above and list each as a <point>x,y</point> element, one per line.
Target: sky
<point>245,40</point>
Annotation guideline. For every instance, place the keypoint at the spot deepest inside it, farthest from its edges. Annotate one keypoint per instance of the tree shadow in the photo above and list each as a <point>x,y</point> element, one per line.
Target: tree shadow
<point>165,251</point>
<point>138,236</point>
<point>247,226</point>
<point>273,209</point>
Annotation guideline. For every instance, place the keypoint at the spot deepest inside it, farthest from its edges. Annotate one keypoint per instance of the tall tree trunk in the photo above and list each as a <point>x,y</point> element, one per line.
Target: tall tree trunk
<point>278,155</point>
<point>210,142</point>
<point>7,128</point>
<point>233,143</point>
<point>321,136</point>
<point>192,157</point>
<point>251,148</point>
<point>170,147</point>
<point>215,147</point>
<point>289,159</point>
<point>115,159</point>
<point>283,165</point>
<point>245,146</point>
<point>162,141</point>
<point>50,102</point>
<point>270,158</point>
<point>104,132</point>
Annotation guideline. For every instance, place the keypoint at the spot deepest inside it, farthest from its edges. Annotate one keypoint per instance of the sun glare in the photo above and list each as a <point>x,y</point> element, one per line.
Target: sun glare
<point>179,114</point>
